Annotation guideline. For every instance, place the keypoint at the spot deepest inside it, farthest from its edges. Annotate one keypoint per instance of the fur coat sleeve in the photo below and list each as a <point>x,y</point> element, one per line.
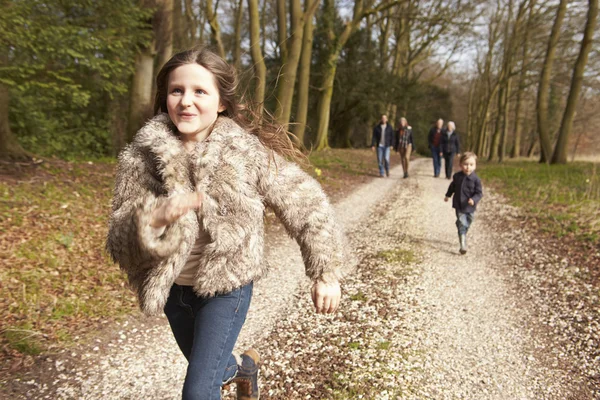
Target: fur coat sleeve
<point>300,203</point>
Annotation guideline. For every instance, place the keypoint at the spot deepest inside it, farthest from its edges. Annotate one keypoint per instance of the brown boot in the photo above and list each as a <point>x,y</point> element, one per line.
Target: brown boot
<point>247,376</point>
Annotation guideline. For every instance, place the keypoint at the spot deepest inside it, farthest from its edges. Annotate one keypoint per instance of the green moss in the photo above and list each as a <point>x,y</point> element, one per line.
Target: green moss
<point>360,296</point>
<point>397,256</point>
<point>354,345</point>
<point>385,345</point>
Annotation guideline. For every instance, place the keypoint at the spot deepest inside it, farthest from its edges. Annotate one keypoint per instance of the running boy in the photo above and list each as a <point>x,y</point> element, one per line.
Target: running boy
<point>466,186</point>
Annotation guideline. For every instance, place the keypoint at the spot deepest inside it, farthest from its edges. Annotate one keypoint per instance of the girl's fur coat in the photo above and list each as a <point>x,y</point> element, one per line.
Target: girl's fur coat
<point>238,176</point>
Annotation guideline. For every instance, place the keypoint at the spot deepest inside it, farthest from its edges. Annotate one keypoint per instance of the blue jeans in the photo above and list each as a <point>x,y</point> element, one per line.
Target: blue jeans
<point>206,329</point>
<point>448,160</point>
<point>437,160</point>
<point>383,159</point>
<point>464,221</point>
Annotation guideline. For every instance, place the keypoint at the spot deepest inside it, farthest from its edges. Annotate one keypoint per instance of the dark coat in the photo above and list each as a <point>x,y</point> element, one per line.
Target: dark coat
<point>389,135</point>
<point>450,145</point>
<point>431,135</point>
<point>464,188</point>
<point>409,132</point>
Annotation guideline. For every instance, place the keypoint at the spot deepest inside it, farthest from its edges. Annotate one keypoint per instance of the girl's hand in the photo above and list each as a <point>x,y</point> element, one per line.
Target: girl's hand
<point>471,202</point>
<point>174,208</point>
<point>446,199</point>
<point>326,296</point>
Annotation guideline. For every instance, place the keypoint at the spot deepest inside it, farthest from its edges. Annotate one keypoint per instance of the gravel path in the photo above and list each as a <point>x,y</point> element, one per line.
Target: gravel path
<point>417,319</point>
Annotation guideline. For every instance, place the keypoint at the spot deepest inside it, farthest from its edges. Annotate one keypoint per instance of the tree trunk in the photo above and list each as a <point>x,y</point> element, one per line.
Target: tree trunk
<point>383,41</point>
<point>9,147</point>
<point>495,145</point>
<point>505,110</point>
<point>532,144</point>
<point>560,151</point>
<point>545,76</point>
<point>322,140</point>
<point>140,104</point>
<point>516,150</point>
<point>304,80</point>
<point>179,26</point>
<point>287,78</point>
<point>263,26</point>
<point>470,116</point>
<point>260,69</point>
<point>282,30</point>
<point>215,28</point>
<point>237,46</point>
<point>485,115</point>
<point>164,29</point>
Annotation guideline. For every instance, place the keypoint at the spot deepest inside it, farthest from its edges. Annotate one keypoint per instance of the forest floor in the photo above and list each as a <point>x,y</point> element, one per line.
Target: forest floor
<point>517,317</point>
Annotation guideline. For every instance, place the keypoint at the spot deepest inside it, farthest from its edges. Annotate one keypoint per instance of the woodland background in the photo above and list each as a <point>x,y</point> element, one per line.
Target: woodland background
<point>519,77</point>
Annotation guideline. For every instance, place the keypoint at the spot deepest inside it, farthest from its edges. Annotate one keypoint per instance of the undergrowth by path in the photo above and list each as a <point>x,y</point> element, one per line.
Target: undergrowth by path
<point>562,200</point>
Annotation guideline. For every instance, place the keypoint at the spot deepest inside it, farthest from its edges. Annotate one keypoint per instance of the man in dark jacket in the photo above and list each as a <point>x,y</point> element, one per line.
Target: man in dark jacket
<point>434,140</point>
<point>450,146</point>
<point>383,139</point>
<point>467,190</point>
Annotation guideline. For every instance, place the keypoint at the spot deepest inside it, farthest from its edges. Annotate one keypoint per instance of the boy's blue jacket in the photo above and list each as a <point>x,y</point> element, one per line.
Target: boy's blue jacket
<point>464,188</point>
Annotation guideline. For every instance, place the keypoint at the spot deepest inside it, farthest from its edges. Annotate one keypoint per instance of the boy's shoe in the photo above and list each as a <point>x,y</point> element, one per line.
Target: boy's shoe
<point>387,173</point>
<point>247,376</point>
<point>406,175</point>
<point>463,244</point>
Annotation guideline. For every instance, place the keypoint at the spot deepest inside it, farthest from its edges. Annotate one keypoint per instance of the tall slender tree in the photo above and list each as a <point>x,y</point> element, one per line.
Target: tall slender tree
<point>260,69</point>
<point>560,151</point>
<point>164,31</point>
<point>544,85</point>
<point>304,78</point>
<point>329,66</point>
<point>522,83</point>
<point>215,27</point>
<point>287,78</point>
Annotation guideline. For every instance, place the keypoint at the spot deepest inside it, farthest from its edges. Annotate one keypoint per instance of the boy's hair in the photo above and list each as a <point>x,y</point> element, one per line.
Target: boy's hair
<point>466,155</point>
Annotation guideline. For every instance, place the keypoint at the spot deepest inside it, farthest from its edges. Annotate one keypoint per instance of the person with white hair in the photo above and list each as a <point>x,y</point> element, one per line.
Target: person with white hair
<point>450,146</point>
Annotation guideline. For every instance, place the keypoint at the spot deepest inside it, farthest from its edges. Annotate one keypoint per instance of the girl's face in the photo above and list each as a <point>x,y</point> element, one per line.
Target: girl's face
<point>193,101</point>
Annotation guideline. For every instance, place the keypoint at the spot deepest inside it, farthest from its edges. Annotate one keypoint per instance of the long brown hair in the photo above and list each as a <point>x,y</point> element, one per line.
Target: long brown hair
<point>272,135</point>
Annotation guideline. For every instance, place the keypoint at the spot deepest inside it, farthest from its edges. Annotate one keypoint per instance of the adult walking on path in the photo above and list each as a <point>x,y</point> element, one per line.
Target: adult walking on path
<point>404,144</point>
<point>450,144</point>
<point>434,140</point>
<point>187,226</point>
<point>382,140</point>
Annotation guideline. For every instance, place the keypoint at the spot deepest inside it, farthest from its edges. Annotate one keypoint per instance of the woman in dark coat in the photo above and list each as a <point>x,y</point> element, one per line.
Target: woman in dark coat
<point>450,147</point>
